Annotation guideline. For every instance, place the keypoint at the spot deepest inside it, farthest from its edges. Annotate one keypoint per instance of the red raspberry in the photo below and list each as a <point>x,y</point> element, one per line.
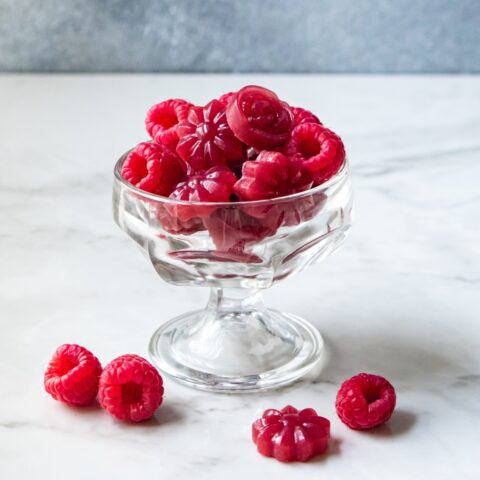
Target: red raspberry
<point>131,389</point>
<point>72,375</point>
<point>162,119</point>
<point>214,185</point>
<point>271,175</point>
<point>153,168</point>
<point>206,139</point>
<point>291,435</point>
<point>365,401</point>
<point>258,118</point>
<point>226,97</point>
<point>320,150</point>
<point>301,115</point>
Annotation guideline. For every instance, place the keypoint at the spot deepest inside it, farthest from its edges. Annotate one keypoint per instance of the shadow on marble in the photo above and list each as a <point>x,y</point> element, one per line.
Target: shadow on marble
<point>400,423</point>
<point>334,449</point>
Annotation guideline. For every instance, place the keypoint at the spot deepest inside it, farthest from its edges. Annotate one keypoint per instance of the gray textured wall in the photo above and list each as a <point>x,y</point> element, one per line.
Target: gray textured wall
<point>240,36</point>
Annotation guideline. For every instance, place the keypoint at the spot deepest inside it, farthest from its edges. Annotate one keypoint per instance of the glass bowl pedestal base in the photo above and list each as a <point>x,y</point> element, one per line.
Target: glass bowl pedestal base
<point>236,345</point>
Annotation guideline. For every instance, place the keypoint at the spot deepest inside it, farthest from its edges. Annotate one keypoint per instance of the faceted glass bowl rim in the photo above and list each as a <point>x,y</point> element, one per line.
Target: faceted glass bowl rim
<point>337,178</point>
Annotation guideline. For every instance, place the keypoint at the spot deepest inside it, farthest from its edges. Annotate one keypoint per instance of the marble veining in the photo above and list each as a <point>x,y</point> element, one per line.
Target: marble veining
<point>401,298</point>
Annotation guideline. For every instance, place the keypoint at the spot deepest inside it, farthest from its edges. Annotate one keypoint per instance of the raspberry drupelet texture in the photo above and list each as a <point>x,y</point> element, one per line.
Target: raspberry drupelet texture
<point>72,375</point>
<point>291,435</point>
<point>153,168</point>
<point>258,118</point>
<point>365,401</point>
<point>320,150</point>
<point>162,119</point>
<point>272,175</point>
<point>300,115</point>
<point>130,389</point>
<point>206,140</point>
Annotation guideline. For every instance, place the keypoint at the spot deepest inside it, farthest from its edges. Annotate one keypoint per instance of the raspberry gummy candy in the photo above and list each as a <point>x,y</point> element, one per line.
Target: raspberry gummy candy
<point>206,140</point>
<point>320,150</point>
<point>226,97</point>
<point>72,375</point>
<point>365,401</point>
<point>214,185</point>
<point>162,119</point>
<point>131,389</point>
<point>153,168</point>
<point>291,435</point>
<point>259,119</point>
<point>271,175</point>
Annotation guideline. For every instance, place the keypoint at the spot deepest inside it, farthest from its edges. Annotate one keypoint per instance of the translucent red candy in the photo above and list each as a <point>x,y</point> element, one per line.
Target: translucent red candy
<point>234,231</point>
<point>72,375</point>
<point>153,168</point>
<point>271,175</point>
<point>226,97</point>
<point>365,401</point>
<point>206,140</point>
<point>162,119</point>
<point>320,150</point>
<point>300,115</point>
<point>291,435</point>
<point>214,185</point>
<point>258,118</point>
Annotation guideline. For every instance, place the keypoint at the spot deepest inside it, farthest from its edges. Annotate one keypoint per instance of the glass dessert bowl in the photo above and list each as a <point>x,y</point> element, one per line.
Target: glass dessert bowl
<point>235,343</point>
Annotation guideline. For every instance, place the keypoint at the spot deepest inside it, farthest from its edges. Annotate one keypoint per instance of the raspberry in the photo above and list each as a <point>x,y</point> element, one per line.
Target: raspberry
<point>301,115</point>
<point>214,185</point>
<point>259,119</point>
<point>291,435</point>
<point>162,119</point>
<point>271,175</point>
<point>365,401</point>
<point>206,139</point>
<point>130,388</point>
<point>153,168</point>
<point>226,97</point>
<point>72,375</point>
<point>320,150</point>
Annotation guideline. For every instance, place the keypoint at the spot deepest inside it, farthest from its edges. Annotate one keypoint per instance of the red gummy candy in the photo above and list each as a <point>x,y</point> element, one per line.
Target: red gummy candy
<point>162,119</point>
<point>320,150</point>
<point>214,185</point>
<point>300,115</point>
<point>153,168</point>
<point>291,435</point>
<point>131,389</point>
<point>72,375</point>
<point>259,119</point>
<point>226,97</point>
<point>365,401</point>
<point>271,175</point>
<point>234,232</point>
<point>206,140</point>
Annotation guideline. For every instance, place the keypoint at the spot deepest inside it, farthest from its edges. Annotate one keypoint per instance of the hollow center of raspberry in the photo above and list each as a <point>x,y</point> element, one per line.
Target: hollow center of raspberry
<point>64,365</point>
<point>309,148</point>
<point>131,393</point>
<point>166,120</point>
<point>371,396</point>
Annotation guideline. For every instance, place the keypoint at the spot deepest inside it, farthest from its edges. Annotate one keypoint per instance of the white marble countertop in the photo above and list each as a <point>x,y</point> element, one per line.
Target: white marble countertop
<point>401,298</point>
